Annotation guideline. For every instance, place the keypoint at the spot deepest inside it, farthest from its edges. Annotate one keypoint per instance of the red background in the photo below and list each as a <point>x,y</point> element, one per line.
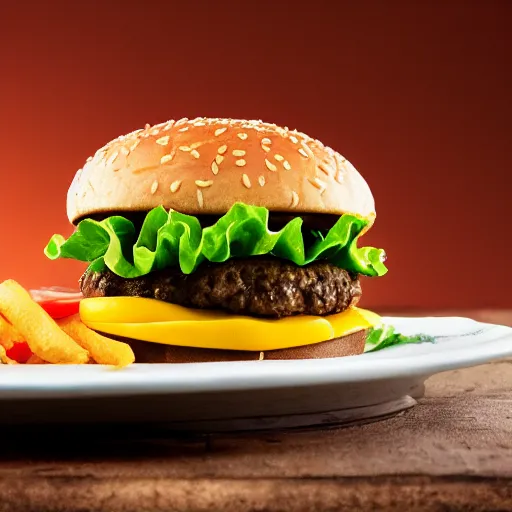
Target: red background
<point>415,94</point>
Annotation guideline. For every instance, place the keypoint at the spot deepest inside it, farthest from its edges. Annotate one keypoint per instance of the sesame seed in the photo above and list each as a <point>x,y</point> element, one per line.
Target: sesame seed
<point>147,126</point>
<point>184,129</point>
<point>265,148</point>
<point>266,141</point>
<point>302,151</point>
<point>124,151</point>
<point>113,157</point>
<point>219,159</point>
<point>339,177</point>
<point>222,149</point>
<point>163,141</point>
<point>219,131</point>
<point>204,183</point>
<point>215,168</point>
<point>324,169</point>
<point>181,121</point>
<point>279,158</point>
<point>200,123</point>
<point>270,165</point>
<point>246,181</point>
<point>89,159</point>
<point>166,158</point>
<point>168,126</point>
<point>294,139</point>
<point>319,184</point>
<point>154,187</point>
<point>200,200</point>
<point>195,153</point>
<point>196,145</point>
<point>287,165</point>
<point>261,181</point>
<point>175,185</point>
<point>134,145</point>
<point>185,148</point>
<point>240,162</point>
<point>238,152</point>
<point>295,199</point>
<point>242,136</point>
<point>155,131</point>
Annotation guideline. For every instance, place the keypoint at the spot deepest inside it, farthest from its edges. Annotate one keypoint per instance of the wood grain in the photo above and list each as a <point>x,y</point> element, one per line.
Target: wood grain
<point>452,452</point>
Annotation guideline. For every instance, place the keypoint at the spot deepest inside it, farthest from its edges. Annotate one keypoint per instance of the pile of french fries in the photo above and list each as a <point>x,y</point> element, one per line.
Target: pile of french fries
<point>63,341</point>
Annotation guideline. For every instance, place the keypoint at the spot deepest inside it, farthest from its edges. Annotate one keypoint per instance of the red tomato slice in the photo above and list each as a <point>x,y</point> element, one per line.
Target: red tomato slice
<point>20,352</point>
<point>55,293</point>
<point>58,302</point>
<point>61,308</point>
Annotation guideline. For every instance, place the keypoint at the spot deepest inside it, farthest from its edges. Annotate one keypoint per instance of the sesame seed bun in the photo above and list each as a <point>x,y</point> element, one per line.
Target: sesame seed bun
<point>203,166</point>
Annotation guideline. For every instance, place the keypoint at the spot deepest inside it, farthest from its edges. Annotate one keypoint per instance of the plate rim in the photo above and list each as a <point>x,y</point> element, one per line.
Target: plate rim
<point>95,380</point>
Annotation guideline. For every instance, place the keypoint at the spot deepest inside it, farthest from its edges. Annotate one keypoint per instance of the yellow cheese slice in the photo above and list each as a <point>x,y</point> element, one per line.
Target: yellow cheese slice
<point>139,310</point>
<point>159,322</point>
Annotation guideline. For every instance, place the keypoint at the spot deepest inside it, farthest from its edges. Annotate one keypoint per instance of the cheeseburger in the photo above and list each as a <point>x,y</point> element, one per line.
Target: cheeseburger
<point>222,239</point>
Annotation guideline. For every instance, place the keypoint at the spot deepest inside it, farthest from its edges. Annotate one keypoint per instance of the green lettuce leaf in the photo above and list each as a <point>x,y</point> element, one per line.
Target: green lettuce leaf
<point>170,239</point>
<point>386,336</point>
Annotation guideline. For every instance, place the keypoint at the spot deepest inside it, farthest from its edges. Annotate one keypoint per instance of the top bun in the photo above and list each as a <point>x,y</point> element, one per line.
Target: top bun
<point>203,166</point>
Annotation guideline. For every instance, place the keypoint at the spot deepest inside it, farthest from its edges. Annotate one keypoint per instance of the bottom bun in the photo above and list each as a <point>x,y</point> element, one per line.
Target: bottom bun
<point>148,352</point>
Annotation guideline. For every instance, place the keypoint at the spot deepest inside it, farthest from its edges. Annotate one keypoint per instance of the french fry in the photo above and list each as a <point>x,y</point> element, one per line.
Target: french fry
<point>38,329</point>
<point>33,359</point>
<point>8,334</point>
<point>102,349</point>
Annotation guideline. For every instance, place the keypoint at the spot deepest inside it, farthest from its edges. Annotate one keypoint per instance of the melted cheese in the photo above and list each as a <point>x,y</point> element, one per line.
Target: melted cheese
<point>159,322</point>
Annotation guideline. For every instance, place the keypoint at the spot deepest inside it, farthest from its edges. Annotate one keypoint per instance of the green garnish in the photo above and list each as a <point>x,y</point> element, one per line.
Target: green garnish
<point>170,239</point>
<point>386,336</point>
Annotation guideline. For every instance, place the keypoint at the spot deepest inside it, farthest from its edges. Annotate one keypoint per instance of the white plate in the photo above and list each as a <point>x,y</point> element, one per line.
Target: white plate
<point>252,394</point>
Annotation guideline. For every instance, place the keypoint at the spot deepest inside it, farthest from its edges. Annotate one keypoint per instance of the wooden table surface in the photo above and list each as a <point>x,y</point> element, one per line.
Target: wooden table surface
<point>451,452</point>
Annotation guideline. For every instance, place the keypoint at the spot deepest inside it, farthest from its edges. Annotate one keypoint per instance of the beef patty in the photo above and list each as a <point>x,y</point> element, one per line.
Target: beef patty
<point>257,286</point>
